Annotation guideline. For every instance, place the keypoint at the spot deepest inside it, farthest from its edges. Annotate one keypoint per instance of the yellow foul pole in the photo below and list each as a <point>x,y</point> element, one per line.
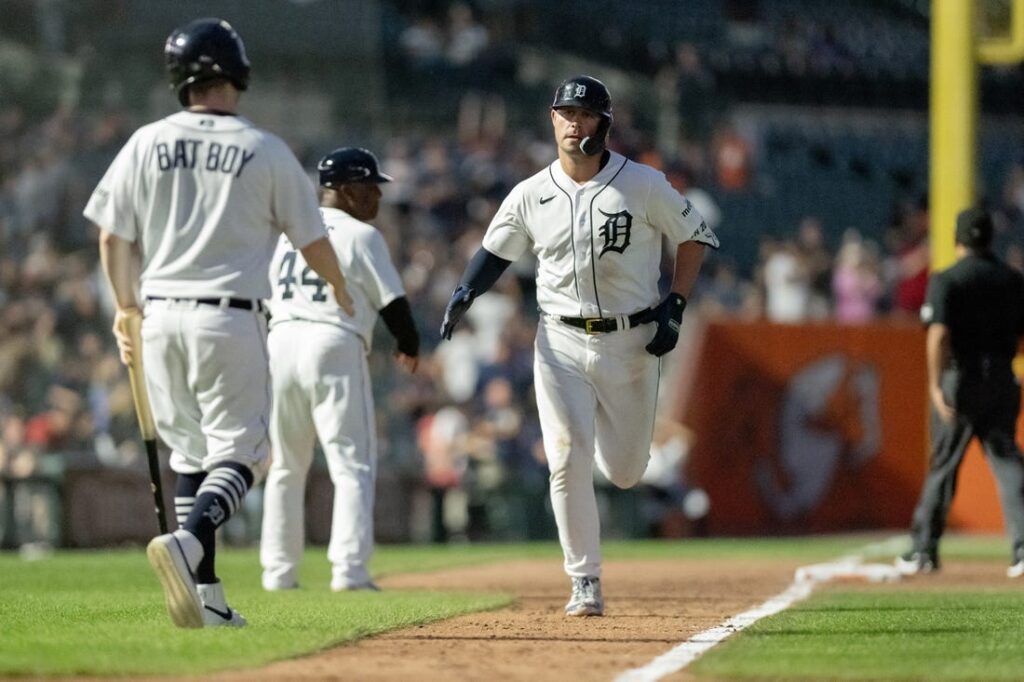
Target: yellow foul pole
<point>953,124</point>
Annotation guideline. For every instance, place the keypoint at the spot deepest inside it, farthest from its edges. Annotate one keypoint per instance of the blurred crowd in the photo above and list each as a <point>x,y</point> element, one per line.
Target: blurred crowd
<point>463,432</point>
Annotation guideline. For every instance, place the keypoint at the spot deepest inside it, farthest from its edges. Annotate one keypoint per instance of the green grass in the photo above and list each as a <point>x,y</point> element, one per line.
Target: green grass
<point>966,634</point>
<point>101,613</point>
<point>956,635</point>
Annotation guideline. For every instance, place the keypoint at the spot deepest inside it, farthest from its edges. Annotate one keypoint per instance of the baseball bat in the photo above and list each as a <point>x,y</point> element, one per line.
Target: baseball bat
<point>137,377</point>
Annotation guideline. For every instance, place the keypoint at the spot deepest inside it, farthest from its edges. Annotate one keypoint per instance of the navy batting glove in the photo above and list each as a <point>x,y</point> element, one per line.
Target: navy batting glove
<point>459,303</point>
<point>668,315</point>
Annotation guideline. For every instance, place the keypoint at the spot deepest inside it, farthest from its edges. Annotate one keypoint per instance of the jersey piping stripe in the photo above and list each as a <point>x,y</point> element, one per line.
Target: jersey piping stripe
<point>572,235</point>
<point>593,258</point>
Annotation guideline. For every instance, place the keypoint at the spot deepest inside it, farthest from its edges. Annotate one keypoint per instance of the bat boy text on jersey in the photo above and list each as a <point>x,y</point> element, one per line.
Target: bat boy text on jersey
<point>213,156</point>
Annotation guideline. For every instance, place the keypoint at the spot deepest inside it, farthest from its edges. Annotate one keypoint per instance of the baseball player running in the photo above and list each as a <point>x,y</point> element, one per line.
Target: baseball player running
<point>595,222</point>
<point>325,391</point>
<point>203,195</point>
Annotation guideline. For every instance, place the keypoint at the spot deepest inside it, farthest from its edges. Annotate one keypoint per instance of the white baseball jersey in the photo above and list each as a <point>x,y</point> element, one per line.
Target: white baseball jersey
<point>598,244</point>
<point>598,247</point>
<point>371,279</point>
<point>324,392</point>
<point>206,196</point>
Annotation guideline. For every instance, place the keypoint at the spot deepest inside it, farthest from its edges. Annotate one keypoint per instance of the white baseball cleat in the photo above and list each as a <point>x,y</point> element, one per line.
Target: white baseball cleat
<point>367,586</point>
<point>586,599</point>
<point>167,557</point>
<point>216,612</point>
<point>279,587</point>
<point>273,583</point>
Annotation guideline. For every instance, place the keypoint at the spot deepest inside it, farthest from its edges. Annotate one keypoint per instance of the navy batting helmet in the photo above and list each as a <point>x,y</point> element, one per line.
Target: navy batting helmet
<point>584,92</point>
<point>350,165</point>
<point>204,50</point>
<point>591,94</point>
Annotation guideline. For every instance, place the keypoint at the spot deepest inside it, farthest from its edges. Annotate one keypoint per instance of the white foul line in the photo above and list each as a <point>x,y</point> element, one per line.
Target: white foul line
<point>687,652</point>
<point>807,577</point>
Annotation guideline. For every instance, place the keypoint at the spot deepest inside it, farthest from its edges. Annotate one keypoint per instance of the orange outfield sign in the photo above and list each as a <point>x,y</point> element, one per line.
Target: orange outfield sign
<point>807,428</point>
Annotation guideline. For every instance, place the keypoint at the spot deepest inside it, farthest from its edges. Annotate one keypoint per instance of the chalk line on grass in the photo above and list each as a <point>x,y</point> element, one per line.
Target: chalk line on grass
<point>804,582</point>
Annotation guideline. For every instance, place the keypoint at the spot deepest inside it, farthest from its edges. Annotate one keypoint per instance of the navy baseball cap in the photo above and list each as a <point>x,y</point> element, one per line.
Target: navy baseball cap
<point>350,165</point>
<point>974,228</point>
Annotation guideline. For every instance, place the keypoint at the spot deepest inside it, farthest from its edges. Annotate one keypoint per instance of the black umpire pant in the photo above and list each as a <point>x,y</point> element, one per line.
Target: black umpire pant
<point>987,401</point>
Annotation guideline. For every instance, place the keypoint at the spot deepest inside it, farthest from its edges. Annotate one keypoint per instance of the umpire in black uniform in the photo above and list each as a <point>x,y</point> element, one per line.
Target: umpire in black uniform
<point>975,316</point>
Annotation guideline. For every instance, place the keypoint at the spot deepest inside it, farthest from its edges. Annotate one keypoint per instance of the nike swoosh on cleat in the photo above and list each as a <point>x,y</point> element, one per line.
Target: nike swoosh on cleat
<point>226,615</point>
<point>544,201</point>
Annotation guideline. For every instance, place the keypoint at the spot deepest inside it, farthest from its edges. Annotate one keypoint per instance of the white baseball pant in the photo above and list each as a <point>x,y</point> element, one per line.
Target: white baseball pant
<point>322,390</point>
<point>206,374</point>
<point>596,398</point>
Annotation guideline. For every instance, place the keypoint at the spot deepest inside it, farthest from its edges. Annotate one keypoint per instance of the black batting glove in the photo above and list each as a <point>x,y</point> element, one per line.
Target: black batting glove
<point>459,303</point>
<point>668,314</point>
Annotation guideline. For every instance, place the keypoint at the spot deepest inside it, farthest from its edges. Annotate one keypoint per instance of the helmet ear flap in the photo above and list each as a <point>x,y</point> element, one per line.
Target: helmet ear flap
<point>596,143</point>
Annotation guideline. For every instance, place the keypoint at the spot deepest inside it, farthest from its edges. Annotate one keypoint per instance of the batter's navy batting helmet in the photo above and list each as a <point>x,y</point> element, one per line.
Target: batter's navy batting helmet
<point>204,50</point>
<point>590,94</point>
<point>350,165</point>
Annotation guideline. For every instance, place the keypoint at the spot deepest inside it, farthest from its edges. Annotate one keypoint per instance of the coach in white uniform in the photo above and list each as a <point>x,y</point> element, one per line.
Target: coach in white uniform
<point>203,195</point>
<point>595,222</point>
<point>322,385</point>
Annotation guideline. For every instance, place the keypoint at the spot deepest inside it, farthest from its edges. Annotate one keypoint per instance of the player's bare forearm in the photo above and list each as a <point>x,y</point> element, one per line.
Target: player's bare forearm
<point>689,256</point>
<point>409,363</point>
<point>937,351</point>
<point>117,257</point>
<point>321,257</point>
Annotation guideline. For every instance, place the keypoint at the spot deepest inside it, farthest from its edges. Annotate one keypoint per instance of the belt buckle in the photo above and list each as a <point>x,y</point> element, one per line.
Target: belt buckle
<point>587,325</point>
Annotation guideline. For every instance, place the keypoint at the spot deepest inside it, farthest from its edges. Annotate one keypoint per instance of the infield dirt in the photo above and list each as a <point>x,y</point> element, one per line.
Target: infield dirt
<point>651,606</point>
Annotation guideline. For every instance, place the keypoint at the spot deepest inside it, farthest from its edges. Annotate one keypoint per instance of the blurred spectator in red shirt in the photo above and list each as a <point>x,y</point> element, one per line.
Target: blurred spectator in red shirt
<point>912,259</point>
<point>733,159</point>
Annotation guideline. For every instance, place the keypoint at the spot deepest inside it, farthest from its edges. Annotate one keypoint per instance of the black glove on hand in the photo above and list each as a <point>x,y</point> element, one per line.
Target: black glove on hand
<point>668,315</point>
<point>459,303</point>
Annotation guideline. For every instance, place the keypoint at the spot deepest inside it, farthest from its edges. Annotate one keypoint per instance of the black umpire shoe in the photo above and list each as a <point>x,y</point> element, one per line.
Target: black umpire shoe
<point>1016,568</point>
<point>917,563</point>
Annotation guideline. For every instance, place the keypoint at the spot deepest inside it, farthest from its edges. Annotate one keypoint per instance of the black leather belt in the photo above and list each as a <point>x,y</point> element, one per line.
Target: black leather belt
<point>984,365</point>
<point>240,303</point>
<point>604,325</point>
